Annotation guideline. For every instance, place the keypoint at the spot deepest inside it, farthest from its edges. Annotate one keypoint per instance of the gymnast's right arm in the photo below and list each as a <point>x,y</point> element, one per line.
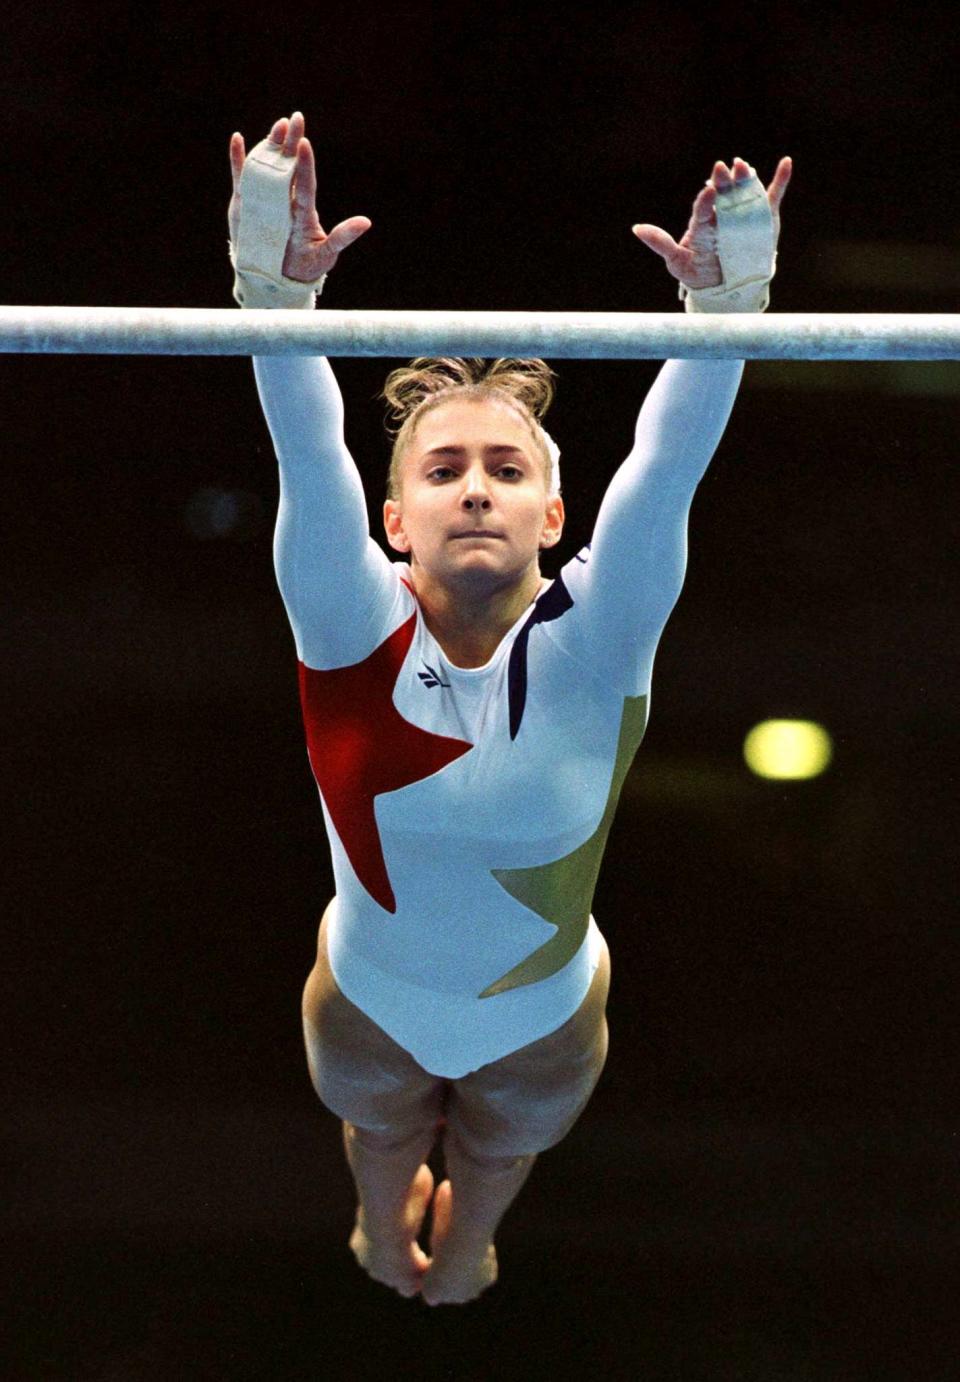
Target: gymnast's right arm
<point>329,569</point>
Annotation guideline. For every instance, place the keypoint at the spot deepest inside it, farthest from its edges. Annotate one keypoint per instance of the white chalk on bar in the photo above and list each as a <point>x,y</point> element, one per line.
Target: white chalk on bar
<point>554,335</point>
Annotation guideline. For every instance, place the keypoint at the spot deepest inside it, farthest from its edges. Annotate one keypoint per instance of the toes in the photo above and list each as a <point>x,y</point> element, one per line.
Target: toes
<point>408,1281</point>
<point>422,1187</point>
<point>442,1206</point>
<point>420,1193</point>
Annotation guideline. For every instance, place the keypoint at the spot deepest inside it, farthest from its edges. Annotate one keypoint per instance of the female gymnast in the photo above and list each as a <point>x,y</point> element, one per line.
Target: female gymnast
<point>469,722</point>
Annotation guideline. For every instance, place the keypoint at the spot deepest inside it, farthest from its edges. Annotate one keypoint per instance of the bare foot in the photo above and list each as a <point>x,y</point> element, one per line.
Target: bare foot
<point>461,1267</point>
<point>391,1254</point>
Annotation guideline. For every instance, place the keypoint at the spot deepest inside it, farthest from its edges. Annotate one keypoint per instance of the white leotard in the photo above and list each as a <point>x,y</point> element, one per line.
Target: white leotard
<point>467,809</point>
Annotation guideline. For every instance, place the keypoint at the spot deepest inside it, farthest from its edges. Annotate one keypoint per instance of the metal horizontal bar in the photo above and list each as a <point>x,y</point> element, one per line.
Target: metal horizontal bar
<point>556,335</point>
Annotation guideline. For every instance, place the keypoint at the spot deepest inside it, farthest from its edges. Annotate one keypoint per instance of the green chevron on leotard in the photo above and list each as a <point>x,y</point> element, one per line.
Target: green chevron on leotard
<point>562,892</point>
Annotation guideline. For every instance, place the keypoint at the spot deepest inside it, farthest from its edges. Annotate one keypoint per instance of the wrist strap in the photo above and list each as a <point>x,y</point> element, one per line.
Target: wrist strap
<point>264,230</point>
<point>746,250</point>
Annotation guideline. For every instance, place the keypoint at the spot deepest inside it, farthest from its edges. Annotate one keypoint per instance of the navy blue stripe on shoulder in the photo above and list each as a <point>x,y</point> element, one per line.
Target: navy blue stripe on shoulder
<point>551,605</point>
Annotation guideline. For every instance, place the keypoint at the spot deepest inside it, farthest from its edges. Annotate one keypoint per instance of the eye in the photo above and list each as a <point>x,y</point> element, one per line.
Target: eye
<point>439,472</point>
<point>510,472</point>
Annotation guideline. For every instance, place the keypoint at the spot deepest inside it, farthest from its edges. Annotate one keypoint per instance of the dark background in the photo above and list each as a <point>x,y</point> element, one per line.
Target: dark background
<point>764,1185</point>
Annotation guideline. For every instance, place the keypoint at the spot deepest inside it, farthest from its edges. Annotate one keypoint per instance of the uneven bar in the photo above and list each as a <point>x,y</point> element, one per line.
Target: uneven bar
<point>555,335</point>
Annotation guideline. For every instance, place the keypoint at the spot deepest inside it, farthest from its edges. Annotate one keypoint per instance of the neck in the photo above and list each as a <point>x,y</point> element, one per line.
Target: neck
<point>470,622</point>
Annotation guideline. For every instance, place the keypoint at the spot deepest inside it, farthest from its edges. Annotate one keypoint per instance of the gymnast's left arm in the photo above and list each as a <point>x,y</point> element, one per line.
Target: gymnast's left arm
<point>638,553</point>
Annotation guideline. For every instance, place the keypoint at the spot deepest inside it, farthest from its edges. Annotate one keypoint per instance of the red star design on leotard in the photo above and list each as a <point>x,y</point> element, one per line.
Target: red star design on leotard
<point>360,745</point>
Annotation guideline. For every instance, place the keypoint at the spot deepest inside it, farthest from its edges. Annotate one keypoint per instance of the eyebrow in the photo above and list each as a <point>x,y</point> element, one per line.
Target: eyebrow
<point>498,448</point>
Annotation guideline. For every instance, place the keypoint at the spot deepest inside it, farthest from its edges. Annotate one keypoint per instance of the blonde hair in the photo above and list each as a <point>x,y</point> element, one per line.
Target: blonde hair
<point>412,391</point>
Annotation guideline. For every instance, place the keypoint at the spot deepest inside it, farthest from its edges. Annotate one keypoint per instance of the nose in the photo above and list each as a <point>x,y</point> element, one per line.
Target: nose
<point>475,495</point>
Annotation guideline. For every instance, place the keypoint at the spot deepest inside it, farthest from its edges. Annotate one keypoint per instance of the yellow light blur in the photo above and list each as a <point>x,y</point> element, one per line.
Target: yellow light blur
<point>788,750</point>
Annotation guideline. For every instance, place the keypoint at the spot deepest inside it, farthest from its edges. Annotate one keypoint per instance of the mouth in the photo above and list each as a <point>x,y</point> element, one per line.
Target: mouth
<point>476,533</point>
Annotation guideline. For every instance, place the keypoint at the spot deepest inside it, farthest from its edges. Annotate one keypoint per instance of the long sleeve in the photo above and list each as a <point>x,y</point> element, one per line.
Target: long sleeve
<point>628,581</point>
<point>334,579</point>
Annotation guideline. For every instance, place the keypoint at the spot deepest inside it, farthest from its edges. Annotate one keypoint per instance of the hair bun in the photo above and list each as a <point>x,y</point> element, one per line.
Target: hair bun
<point>529,382</point>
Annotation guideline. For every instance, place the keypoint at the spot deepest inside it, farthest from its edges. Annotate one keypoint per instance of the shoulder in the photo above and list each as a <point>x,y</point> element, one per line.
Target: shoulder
<point>592,615</point>
<point>363,624</point>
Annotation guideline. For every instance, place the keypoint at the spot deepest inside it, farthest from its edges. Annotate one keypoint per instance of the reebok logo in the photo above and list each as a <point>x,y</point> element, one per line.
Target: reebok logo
<point>430,678</point>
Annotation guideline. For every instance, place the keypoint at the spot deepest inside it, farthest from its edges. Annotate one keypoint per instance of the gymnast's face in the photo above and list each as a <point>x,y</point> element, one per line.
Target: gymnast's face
<point>473,507</point>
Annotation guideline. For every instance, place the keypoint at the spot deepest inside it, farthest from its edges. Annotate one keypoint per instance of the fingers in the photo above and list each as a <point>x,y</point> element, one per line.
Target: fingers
<point>347,231</point>
<point>657,240</point>
<point>781,179</point>
<point>305,181</point>
<point>294,133</point>
<point>237,156</point>
<point>721,177</point>
<point>287,133</point>
<point>703,211</point>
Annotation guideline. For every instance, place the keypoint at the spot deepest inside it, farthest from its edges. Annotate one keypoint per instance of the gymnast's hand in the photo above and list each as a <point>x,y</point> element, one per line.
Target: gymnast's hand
<point>310,251</point>
<point>694,260</point>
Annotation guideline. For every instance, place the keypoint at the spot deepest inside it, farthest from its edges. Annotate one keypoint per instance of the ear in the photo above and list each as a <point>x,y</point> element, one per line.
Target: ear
<point>393,526</point>
<point>552,522</point>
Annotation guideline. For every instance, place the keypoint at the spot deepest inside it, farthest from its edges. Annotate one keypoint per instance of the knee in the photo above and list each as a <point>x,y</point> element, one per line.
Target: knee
<point>526,1116</point>
<point>371,1118</point>
<point>495,1140</point>
<point>488,1157</point>
<point>385,1138</point>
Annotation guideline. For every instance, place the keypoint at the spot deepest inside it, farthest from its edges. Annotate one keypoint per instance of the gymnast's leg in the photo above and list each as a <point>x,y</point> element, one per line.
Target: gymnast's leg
<point>390,1107</point>
<point>392,1204</point>
<point>498,1119</point>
